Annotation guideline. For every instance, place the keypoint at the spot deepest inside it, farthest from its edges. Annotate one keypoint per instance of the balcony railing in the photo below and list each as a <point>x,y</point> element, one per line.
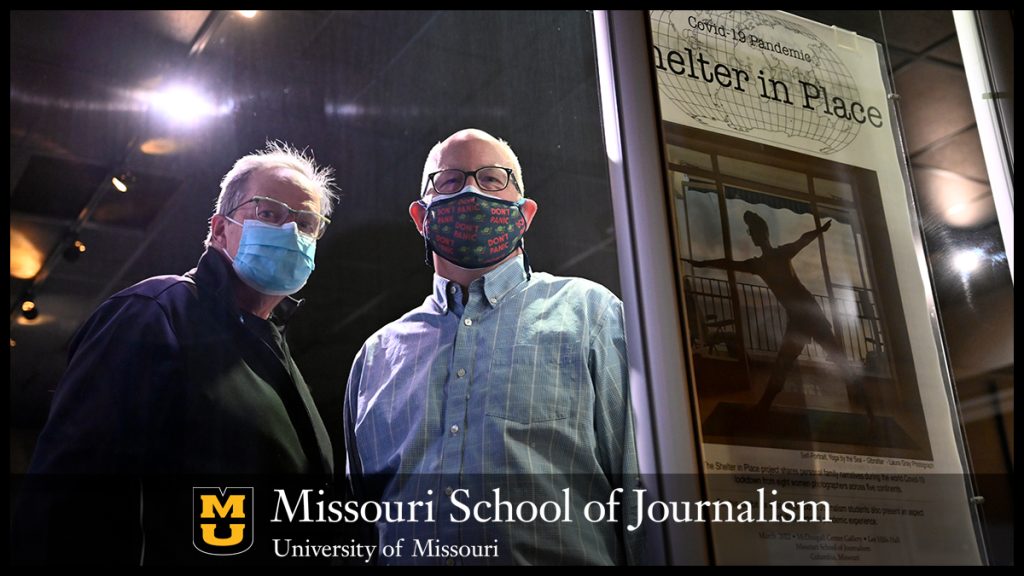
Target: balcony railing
<point>713,323</point>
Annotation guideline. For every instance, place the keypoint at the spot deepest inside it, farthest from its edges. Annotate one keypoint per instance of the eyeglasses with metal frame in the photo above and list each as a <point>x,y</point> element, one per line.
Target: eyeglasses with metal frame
<point>276,213</point>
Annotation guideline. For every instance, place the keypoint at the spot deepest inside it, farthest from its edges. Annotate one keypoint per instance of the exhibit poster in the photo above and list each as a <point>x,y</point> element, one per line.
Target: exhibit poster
<point>815,363</point>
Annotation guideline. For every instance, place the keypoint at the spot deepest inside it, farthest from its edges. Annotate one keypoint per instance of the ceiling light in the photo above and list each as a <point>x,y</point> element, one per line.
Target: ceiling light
<point>183,104</point>
<point>74,250</point>
<point>28,309</point>
<point>159,146</point>
<point>248,13</point>
<point>26,259</point>
<point>123,181</point>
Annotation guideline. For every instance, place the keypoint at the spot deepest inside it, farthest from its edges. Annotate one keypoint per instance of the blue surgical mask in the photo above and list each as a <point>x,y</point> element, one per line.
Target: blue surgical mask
<point>274,260</point>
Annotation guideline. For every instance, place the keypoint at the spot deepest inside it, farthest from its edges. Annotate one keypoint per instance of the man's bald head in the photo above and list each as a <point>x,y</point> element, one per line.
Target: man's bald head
<point>470,149</point>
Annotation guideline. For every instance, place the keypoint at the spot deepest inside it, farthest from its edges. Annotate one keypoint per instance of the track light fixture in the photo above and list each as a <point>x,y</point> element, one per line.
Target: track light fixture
<point>122,181</point>
<point>28,306</point>
<point>74,250</point>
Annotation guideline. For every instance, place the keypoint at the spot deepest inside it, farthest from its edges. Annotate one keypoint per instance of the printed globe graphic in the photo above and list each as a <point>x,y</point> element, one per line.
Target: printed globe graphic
<point>724,37</point>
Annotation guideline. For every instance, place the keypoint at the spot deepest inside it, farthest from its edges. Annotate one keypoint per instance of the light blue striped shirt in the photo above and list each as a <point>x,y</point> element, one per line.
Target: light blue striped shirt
<point>524,389</point>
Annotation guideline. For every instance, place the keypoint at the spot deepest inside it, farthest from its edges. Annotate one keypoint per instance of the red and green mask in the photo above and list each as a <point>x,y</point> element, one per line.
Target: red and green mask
<point>472,230</point>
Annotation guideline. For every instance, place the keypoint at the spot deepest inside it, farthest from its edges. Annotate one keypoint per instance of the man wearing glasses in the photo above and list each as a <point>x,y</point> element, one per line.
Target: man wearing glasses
<point>505,385</point>
<point>187,375</point>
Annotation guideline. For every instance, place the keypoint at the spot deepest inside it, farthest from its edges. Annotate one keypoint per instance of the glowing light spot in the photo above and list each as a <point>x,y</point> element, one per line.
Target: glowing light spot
<point>967,261</point>
<point>26,259</point>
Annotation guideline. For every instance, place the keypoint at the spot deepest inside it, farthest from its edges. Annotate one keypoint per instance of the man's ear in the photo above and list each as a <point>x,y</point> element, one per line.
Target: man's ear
<point>417,211</point>
<point>529,208</point>
<point>217,226</point>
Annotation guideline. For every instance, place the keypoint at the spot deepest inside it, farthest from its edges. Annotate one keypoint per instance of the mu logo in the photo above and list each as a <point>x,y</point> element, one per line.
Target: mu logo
<point>222,520</point>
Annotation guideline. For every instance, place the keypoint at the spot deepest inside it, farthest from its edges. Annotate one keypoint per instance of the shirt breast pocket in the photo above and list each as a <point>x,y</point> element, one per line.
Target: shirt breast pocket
<point>533,383</point>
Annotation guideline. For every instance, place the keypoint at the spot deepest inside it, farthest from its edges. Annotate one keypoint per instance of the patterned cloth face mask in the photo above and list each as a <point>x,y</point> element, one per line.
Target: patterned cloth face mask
<point>473,230</point>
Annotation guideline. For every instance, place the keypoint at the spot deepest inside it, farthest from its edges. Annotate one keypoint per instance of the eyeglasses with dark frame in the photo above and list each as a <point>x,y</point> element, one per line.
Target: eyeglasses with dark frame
<point>488,178</point>
<point>276,213</point>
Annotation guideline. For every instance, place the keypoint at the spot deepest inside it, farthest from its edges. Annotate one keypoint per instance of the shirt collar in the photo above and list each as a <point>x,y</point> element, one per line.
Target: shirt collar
<point>441,292</point>
<point>496,284</point>
<point>501,280</point>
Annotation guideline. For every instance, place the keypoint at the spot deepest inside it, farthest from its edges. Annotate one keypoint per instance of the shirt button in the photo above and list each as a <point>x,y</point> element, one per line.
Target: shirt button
<point>494,300</point>
<point>448,491</point>
<point>468,322</point>
<point>460,372</point>
<point>454,429</point>
<point>451,289</point>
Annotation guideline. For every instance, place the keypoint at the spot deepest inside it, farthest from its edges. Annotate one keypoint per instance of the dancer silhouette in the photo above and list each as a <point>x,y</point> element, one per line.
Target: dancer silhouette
<point>806,321</point>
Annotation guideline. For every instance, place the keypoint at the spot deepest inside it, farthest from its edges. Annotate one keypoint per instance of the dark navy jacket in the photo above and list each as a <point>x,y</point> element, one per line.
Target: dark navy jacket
<point>168,379</point>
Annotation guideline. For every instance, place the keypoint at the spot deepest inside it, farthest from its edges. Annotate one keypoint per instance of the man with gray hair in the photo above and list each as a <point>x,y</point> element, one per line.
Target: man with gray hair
<point>191,374</point>
<point>506,393</point>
